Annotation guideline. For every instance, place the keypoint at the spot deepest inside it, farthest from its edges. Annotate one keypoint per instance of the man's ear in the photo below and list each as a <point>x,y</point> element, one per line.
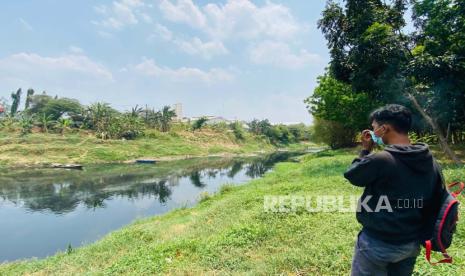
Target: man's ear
<point>387,128</point>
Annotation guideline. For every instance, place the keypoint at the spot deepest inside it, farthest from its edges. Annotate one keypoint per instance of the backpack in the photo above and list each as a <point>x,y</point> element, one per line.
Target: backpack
<point>445,223</point>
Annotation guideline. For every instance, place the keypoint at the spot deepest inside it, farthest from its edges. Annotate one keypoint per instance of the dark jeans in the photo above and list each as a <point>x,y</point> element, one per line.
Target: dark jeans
<point>375,257</point>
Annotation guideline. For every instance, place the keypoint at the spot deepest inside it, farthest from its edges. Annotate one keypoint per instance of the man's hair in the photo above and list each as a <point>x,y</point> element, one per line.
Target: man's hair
<point>398,116</point>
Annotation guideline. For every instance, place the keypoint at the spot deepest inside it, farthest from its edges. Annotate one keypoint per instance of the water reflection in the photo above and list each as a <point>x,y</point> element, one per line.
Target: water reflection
<point>87,204</point>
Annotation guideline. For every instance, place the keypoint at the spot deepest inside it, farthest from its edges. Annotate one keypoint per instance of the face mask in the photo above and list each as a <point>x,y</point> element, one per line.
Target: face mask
<point>378,140</point>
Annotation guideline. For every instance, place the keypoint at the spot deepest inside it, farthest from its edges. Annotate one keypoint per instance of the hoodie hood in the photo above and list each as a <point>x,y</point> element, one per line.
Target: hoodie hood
<point>415,156</point>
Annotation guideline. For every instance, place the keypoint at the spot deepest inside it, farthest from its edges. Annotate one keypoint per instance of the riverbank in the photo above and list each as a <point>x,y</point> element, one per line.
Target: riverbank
<point>39,149</point>
<point>230,233</point>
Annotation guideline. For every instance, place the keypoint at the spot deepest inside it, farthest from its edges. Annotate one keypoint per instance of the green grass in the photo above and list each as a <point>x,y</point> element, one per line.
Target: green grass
<point>230,233</point>
<point>82,147</point>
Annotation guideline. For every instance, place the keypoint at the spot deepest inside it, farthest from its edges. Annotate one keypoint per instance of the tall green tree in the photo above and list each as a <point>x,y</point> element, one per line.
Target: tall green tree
<point>337,104</point>
<point>424,70</point>
<point>166,115</point>
<point>437,68</point>
<point>30,93</point>
<point>259,127</point>
<point>53,106</point>
<point>366,46</point>
<point>16,97</point>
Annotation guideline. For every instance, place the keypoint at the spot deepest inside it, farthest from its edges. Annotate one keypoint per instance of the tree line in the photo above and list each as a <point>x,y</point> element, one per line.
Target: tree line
<point>46,113</point>
<point>374,62</point>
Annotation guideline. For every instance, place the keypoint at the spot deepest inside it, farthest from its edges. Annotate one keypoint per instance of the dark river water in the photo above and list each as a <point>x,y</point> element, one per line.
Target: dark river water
<point>43,211</point>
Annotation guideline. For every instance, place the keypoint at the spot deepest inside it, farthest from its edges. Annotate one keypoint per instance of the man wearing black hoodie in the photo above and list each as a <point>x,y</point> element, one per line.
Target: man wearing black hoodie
<point>397,206</point>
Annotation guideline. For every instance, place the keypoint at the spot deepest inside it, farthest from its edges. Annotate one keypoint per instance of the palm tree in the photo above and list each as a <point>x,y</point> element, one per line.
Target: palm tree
<point>166,116</point>
<point>136,111</point>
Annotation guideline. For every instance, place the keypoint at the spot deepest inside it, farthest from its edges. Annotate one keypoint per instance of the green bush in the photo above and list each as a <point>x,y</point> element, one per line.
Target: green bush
<point>333,134</point>
<point>126,126</point>
<point>198,124</point>
<point>238,130</point>
<point>26,123</point>
<point>219,127</point>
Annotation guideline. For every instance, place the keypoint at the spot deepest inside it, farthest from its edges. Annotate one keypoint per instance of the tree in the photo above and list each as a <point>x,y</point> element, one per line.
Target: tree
<point>199,123</point>
<point>98,117</point>
<point>437,68</point>
<point>16,97</point>
<point>433,123</point>
<point>332,133</point>
<point>151,118</point>
<point>63,124</point>
<point>259,127</point>
<point>338,105</point>
<point>299,131</point>
<point>366,46</point>
<point>38,102</point>
<point>30,93</point>
<point>136,111</point>
<point>166,116</point>
<point>424,70</point>
<point>45,121</point>
<point>57,107</point>
<point>53,107</point>
<point>238,130</point>
<point>26,123</point>
<point>127,126</point>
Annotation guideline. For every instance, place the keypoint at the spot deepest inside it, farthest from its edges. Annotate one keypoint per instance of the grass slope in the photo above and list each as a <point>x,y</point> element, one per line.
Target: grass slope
<point>230,233</point>
<point>40,148</point>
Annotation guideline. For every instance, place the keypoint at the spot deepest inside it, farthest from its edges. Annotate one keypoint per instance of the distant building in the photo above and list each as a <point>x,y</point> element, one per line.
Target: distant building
<point>178,110</point>
<point>211,120</point>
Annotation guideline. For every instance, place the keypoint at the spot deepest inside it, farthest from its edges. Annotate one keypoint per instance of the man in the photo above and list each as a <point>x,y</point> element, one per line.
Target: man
<point>397,206</point>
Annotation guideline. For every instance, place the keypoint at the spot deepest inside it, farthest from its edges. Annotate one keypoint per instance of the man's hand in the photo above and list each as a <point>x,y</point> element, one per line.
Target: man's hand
<point>367,142</point>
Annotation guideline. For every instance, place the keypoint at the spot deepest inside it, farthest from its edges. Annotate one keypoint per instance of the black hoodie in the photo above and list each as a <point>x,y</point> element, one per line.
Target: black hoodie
<point>405,178</point>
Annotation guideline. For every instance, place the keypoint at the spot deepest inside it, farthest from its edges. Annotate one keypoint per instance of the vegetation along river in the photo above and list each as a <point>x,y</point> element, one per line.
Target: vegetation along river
<point>43,211</point>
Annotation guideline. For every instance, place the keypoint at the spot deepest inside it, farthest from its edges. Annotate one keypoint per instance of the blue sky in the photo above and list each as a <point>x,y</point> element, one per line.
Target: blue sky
<point>238,59</point>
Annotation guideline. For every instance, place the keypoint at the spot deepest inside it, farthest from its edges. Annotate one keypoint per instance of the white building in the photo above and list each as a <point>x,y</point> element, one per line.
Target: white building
<point>178,110</point>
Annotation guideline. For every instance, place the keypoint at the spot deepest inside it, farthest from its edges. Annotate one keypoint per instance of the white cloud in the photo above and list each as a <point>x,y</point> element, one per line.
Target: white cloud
<point>195,46</point>
<point>235,19</point>
<point>204,49</point>
<point>269,30</point>
<point>148,67</point>
<point>184,11</point>
<point>25,25</point>
<point>120,13</point>
<point>31,65</point>
<point>279,54</point>
<point>244,19</point>
<point>163,32</point>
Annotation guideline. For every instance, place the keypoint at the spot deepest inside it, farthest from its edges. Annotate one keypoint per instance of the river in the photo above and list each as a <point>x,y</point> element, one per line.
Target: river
<point>43,211</point>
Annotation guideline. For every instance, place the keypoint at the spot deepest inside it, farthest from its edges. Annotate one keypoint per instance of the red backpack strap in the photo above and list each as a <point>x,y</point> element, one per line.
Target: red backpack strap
<point>459,190</point>
<point>447,258</point>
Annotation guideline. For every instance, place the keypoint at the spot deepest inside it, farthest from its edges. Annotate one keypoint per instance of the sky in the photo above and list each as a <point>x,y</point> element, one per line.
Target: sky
<point>238,59</point>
